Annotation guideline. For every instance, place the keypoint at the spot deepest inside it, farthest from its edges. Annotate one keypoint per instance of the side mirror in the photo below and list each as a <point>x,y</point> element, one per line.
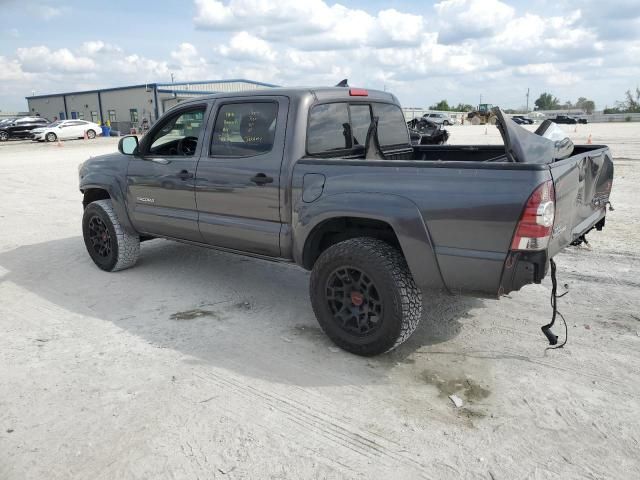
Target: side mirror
<point>128,145</point>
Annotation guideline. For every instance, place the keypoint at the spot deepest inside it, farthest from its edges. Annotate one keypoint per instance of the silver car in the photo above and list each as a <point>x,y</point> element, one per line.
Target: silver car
<point>439,118</point>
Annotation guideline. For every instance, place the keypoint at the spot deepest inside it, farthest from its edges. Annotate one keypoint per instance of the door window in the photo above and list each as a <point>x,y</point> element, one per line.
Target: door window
<point>244,129</point>
<point>178,135</point>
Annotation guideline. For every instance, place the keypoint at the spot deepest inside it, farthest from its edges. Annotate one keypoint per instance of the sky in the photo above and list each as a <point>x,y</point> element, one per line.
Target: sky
<point>423,51</point>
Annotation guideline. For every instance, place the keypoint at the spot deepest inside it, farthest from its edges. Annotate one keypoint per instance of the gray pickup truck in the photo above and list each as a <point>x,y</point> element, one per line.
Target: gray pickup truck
<point>327,178</point>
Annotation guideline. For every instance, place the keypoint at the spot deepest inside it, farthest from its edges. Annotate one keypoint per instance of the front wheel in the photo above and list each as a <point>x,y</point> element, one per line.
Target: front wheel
<point>91,134</point>
<point>51,137</point>
<point>364,296</point>
<point>4,136</point>
<point>110,247</point>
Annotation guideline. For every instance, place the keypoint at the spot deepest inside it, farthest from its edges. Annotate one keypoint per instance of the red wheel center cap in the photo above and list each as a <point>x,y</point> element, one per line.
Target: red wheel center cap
<point>357,298</point>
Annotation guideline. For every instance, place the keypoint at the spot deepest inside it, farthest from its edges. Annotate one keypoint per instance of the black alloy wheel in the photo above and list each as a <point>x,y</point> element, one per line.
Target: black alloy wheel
<point>354,301</point>
<point>99,237</point>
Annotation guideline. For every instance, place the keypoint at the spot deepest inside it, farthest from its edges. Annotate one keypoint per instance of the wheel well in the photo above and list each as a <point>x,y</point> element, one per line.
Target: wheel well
<point>339,229</point>
<point>93,194</point>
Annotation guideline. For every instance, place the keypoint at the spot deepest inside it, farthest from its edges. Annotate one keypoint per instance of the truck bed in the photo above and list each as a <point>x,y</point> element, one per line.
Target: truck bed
<point>468,207</point>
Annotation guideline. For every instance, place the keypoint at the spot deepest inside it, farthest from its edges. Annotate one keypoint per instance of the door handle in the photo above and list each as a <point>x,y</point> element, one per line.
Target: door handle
<point>184,175</point>
<point>261,179</point>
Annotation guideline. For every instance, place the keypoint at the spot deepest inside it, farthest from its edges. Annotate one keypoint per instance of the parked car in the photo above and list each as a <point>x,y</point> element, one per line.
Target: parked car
<point>439,118</point>
<point>425,132</point>
<point>8,120</point>
<point>566,119</point>
<point>65,130</point>
<point>21,127</point>
<point>522,120</point>
<point>327,178</point>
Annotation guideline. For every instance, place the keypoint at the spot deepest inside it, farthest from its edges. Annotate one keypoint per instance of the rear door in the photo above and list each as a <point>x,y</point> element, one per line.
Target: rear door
<point>160,182</point>
<point>582,187</point>
<point>238,177</point>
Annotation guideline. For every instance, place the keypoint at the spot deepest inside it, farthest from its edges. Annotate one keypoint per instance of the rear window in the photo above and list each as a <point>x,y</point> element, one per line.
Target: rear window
<point>392,129</point>
<point>328,128</point>
<point>360,123</point>
<point>336,127</point>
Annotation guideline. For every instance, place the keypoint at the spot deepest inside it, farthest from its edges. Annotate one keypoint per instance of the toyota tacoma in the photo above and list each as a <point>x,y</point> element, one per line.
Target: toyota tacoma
<point>327,178</point>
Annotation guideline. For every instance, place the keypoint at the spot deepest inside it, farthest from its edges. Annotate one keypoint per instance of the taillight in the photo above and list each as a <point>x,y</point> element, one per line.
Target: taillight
<point>535,225</point>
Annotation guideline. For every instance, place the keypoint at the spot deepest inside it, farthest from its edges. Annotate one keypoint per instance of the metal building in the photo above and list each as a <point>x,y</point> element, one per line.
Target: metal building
<point>126,107</point>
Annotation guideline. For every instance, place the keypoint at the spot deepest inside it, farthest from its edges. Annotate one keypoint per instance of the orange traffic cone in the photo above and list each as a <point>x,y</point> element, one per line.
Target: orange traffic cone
<point>59,144</point>
<point>589,142</point>
<point>85,135</point>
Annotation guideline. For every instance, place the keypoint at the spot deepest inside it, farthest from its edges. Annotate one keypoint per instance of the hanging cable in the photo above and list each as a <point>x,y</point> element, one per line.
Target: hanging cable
<point>546,329</point>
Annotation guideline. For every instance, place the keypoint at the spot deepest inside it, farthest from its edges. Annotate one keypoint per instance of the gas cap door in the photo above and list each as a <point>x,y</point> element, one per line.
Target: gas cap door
<point>312,186</point>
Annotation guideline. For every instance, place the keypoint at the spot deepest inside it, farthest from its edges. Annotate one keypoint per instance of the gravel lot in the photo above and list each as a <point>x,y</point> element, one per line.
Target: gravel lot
<point>201,364</point>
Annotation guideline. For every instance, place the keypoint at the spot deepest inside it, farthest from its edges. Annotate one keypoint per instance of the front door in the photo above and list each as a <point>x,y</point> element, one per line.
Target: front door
<point>160,181</point>
<point>238,175</point>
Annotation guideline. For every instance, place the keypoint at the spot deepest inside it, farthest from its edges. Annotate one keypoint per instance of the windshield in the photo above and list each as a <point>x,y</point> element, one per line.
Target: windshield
<point>54,124</point>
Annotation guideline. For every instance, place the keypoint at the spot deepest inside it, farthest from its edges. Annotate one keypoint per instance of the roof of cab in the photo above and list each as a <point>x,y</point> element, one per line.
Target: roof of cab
<point>320,94</point>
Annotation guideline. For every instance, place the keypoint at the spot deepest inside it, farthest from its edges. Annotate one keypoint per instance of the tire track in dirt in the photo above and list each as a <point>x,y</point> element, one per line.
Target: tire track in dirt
<point>368,445</point>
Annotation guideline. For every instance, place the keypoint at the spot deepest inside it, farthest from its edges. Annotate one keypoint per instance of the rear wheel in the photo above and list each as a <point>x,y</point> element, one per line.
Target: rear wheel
<point>364,296</point>
<point>111,248</point>
<point>91,134</point>
<point>51,137</point>
<point>4,136</point>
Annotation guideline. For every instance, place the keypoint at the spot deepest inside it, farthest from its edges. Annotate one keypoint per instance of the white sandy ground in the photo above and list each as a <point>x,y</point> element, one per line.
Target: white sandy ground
<point>98,381</point>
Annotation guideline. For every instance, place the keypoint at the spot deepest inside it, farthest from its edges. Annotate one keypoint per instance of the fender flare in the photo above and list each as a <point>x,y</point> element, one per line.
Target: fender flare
<point>399,212</point>
<point>113,188</point>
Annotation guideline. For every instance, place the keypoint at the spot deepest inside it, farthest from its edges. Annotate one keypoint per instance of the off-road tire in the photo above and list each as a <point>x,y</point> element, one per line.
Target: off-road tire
<point>51,137</point>
<point>124,247</point>
<point>91,134</point>
<point>387,268</point>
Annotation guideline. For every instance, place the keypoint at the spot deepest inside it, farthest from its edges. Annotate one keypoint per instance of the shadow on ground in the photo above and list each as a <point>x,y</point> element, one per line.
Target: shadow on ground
<point>230,311</point>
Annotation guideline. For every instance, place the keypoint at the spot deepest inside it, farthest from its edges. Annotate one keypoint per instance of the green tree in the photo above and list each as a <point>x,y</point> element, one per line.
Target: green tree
<point>546,101</point>
<point>585,104</point>
<point>441,105</point>
<point>463,107</point>
<point>632,102</point>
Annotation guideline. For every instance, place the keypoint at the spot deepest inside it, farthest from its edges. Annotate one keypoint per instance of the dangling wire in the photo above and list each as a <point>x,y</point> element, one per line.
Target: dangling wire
<point>546,329</point>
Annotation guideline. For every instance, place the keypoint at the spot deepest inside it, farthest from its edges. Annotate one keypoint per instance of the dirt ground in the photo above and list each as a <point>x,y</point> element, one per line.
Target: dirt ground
<point>201,364</point>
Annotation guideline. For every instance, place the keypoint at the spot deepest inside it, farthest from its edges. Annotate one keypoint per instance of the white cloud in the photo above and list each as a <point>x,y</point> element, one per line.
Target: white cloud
<point>42,59</point>
<point>311,25</point>
<point>243,46</point>
<point>10,69</point>
<point>98,47</point>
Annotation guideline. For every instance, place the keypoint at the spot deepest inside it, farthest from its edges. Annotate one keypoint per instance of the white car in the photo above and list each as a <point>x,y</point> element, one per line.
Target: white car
<point>65,130</point>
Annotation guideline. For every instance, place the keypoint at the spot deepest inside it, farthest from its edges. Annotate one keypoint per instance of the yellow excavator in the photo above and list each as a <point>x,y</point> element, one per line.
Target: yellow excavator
<point>482,115</point>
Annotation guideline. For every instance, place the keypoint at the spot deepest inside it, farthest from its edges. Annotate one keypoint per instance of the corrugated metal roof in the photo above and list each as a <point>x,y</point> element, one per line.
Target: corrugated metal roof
<point>205,86</point>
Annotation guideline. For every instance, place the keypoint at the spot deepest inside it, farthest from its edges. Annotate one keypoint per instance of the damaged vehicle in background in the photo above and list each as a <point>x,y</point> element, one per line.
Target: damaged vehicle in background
<point>426,132</point>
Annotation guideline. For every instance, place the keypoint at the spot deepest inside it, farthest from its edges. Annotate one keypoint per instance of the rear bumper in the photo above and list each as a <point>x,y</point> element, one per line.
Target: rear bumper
<point>523,268</point>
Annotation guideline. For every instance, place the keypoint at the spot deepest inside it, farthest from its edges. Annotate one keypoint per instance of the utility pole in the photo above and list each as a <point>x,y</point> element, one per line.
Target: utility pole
<point>480,101</point>
<point>171,77</point>
<point>527,101</point>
